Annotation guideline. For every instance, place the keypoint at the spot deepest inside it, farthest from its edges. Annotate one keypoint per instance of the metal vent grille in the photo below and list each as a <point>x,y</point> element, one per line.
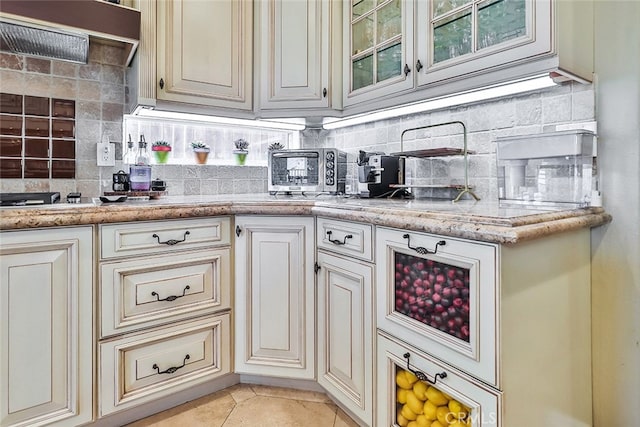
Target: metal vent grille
<point>42,42</point>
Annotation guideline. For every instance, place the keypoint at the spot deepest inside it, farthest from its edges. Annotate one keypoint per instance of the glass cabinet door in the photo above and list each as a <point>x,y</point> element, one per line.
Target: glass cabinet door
<point>377,45</point>
<point>459,27</point>
<point>473,35</point>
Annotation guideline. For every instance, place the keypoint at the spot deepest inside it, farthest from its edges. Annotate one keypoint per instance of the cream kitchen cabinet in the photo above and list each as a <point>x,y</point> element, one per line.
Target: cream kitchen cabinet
<point>275,296</point>
<point>204,52</point>
<point>346,324</point>
<point>46,327</point>
<point>378,39</point>
<point>498,323</point>
<point>164,302</point>
<point>294,42</point>
<point>459,40</point>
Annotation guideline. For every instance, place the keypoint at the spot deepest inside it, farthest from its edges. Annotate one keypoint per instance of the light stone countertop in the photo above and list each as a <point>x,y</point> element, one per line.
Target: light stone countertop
<point>483,221</point>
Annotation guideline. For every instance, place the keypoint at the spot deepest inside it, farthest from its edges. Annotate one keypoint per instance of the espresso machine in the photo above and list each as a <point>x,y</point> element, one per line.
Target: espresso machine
<point>378,173</point>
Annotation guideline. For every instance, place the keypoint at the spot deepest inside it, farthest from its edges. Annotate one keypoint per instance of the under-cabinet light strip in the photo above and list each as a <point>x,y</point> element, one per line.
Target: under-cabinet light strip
<point>511,88</point>
<point>285,124</point>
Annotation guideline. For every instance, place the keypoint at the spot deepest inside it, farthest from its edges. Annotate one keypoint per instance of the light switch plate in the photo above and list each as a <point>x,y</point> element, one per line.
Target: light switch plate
<point>106,154</point>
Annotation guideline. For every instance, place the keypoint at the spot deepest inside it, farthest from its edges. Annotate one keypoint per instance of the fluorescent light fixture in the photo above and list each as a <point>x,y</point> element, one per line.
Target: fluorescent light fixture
<point>519,86</point>
<point>284,124</point>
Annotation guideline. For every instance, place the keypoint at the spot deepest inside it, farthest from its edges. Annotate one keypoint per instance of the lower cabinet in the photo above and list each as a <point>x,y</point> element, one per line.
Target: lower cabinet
<point>274,300</point>
<point>139,368</point>
<point>46,327</point>
<point>345,329</point>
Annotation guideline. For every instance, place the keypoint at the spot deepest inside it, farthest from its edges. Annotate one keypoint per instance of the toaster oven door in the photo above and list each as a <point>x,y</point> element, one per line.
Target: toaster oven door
<point>294,170</point>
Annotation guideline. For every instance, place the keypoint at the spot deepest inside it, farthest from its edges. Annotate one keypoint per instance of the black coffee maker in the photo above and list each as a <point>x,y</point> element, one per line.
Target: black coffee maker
<point>379,175</point>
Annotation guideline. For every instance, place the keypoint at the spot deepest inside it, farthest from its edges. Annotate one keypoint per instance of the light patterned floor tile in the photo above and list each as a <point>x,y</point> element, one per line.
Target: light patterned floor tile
<point>288,393</point>
<point>209,411</point>
<point>266,411</point>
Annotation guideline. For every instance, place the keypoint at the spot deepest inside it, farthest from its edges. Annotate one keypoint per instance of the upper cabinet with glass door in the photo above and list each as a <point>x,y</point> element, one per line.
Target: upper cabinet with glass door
<point>461,38</point>
<point>378,48</point>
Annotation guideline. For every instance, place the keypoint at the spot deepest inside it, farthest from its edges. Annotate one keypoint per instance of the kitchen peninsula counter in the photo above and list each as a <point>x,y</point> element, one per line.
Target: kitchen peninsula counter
<point>483,221</point>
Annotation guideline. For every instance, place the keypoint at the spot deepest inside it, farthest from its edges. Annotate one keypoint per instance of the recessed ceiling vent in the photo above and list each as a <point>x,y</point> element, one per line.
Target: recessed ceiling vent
<point>63,29</point>
<point>42,42</point>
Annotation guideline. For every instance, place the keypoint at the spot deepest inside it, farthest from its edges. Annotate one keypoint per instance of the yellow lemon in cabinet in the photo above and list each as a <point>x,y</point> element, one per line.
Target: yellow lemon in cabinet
<point>422,421</point>
<point>408,413</point>
<point>416,405</point>
<point>420,390</point>
<point>443,415</point>
<point>429,410</point>
<point>401,395</point>
<point>436,396</point>
<point>412,424</point>
<point>458,410</point>
<point>405,379</point>
<point>458,424</point>
<point>402,421</point>
<point>438,424</point>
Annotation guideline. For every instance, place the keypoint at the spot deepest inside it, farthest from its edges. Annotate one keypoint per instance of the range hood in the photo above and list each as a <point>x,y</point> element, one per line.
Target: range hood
<point>63,29</point>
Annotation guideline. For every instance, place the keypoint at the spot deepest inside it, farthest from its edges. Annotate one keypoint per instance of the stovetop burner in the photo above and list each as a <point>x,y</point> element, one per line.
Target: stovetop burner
<point>28,199</point>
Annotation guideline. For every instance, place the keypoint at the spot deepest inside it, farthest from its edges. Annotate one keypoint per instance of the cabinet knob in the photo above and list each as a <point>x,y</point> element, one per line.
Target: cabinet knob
<point>238,230</point>
<point>407,70</point>
<point>161,83</point>
<point>324,92</point>
<point>419,66</point>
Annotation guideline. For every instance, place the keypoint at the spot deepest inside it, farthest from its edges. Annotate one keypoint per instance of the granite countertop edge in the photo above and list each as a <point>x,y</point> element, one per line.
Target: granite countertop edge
<point>454,223</point>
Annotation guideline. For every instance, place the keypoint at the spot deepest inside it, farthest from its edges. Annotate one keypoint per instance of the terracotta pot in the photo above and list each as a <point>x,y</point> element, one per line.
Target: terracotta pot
<point>201,157</point>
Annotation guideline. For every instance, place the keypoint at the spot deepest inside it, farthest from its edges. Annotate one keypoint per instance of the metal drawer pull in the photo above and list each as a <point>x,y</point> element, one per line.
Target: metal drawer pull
<point>172,242</point>
<point>171,297</point>
<point>420,249</point>
<point>336,241</point>
<point>421,375</point>
<point>172,369</point>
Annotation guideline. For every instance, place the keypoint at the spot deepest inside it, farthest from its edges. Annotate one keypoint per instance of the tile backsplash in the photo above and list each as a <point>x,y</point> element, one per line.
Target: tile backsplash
<point>530,113</point>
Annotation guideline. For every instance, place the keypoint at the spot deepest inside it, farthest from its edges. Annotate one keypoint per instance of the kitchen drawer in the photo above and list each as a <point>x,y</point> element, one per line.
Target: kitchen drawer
<point>398,365</point>
<point>144,367</point>
<point>353,239</point>
<point>439,294</point>
<point>149,291</point>
<point>143,238</point>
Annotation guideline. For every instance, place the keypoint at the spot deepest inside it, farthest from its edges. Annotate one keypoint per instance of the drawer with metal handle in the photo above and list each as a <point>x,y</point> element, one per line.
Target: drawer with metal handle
<point>143,367</point>
<point>149,291</point>
<point>353,239</point>
<point>153,237</point>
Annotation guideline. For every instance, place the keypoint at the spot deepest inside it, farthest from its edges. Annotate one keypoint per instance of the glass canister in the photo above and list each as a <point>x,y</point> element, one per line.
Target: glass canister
<point>140,177</point>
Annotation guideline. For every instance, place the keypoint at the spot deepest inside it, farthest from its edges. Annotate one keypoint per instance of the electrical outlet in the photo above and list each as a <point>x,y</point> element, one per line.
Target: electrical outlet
<point>106,154</point>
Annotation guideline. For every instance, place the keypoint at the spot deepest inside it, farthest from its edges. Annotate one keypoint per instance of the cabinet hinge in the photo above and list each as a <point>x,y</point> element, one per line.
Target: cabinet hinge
<point>316,268</point>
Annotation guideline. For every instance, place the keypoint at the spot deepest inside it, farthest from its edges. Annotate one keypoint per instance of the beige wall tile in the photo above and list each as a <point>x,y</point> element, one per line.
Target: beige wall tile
<point>66,69</point>
<point>89,90</point>
<point>64,88</point>
<point>11,61</point>
<point>37,65</point>
<point>37,84</point>
<point>12,81</point>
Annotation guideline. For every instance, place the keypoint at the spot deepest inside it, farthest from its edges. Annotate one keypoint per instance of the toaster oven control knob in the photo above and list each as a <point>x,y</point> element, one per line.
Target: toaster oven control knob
<point>330,173</point>
<point>330,155</point>
<point>329,181</point>
<point>330,164</point>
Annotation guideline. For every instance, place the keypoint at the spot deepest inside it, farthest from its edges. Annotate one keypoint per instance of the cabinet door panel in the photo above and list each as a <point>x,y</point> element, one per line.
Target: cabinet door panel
<point>46,321</point>
<point>274,297</point>
<point>204,52</point>
<point>345,330</point>
<point>294,53</point>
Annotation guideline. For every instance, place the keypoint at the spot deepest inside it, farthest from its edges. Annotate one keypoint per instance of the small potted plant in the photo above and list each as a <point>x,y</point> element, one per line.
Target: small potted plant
<point>161,150</point>
<point>201,150</point>
<point>241,151</point>
<point>275,146</point>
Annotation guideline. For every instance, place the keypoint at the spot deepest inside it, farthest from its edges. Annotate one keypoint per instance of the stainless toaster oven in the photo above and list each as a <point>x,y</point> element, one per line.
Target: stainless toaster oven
<point>316,170</point>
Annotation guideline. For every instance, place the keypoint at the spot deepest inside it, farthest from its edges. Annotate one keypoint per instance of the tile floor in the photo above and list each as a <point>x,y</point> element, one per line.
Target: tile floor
<point>255,406</point>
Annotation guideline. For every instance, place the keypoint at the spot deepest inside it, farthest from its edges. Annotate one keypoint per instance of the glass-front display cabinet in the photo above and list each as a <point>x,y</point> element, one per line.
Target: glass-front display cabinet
<point>459,37</point>
<point>421,391</point>
<point>378,48</point>
<point>439,294</point>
